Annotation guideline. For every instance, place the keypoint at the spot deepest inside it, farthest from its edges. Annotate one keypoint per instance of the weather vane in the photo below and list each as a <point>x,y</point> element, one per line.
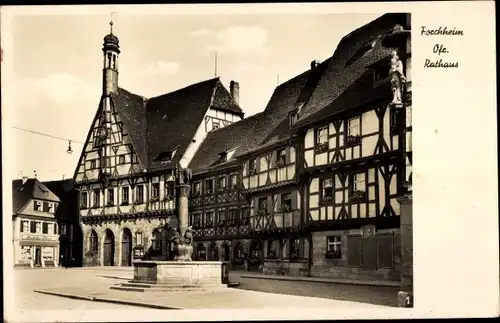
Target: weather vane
<point>111,21</point>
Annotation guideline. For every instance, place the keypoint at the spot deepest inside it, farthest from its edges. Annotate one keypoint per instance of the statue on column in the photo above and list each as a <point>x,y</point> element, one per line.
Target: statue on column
<point>397,78</point>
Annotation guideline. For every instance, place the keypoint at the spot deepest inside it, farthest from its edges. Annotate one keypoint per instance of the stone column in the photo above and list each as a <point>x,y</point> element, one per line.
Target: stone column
<point>182,207</point>
<point>405,295</point>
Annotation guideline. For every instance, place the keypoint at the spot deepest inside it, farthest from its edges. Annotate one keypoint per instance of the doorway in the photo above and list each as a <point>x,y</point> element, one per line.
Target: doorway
<point>38,257</point>
<point>109,249</point>
<point>127,247</point>
<point>226,252</point>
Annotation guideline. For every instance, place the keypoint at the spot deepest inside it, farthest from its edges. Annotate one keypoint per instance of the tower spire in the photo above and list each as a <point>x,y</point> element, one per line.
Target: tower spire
<point>111,23</point>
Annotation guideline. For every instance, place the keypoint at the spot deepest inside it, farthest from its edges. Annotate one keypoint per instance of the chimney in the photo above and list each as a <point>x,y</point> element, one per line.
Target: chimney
<point>314,64</point>
<point>234,89</point>
<point>25,179</point>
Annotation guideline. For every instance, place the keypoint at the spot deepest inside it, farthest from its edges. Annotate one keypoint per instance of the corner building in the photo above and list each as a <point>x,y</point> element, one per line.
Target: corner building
<point>125,174</point>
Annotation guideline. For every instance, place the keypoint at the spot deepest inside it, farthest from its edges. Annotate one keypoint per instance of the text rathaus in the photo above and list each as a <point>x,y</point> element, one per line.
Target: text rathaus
<point>308,186</point>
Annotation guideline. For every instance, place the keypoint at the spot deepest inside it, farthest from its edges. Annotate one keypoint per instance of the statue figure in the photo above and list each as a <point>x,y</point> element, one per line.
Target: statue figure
<point>397,77</point>
<point>188,236</point>
<point>180,176</point>
<point>188,175</point>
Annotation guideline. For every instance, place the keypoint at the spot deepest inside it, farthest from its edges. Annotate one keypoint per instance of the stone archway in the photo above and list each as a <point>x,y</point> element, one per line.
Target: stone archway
<point>200,253</point>
<point>126,247</point>
<point>109,248</point>
<point>225,252</point>
<point>213,253</point>
<point>237,258</point>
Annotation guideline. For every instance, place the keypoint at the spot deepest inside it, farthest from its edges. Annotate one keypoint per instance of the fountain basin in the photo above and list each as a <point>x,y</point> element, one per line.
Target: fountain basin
<point>178,273</point>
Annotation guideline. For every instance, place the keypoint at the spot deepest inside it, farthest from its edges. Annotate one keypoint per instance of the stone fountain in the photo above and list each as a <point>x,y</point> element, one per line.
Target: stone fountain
<point>182,272</point>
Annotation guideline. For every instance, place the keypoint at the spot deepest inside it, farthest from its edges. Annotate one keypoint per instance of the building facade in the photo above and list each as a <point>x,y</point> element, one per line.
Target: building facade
<point>321,169</point>
<point>126,173</point>
<point>35,229</point>
<point>66,215</point>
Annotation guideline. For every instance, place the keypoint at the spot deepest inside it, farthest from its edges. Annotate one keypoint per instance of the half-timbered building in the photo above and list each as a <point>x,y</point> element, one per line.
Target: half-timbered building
<point>125,173</point>
<point>354,161</point>
<point>218,211</point>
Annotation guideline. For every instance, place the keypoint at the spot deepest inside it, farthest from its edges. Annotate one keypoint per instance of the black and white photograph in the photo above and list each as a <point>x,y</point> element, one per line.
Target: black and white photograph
<point>207,161</point>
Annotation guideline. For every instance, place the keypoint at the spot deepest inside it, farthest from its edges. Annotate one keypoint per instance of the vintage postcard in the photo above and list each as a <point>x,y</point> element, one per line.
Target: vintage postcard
<point>254,161</point>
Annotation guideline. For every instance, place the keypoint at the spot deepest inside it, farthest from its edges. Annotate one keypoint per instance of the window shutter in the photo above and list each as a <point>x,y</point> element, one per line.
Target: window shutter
<point>277,202</point>
<point>385,249</point>
<point>354,251</point>
<point>45,206</point>
<point>274,156</point>
<point>294,200</point>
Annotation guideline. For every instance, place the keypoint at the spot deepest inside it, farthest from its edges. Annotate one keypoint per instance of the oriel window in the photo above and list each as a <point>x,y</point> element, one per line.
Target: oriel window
<point>97,196</point>
<point>125,195</point>
<point>111,196</point>
<point>155,190</point>
<point>84,200</point>
<point>234,181</point>
<point>139,194</point>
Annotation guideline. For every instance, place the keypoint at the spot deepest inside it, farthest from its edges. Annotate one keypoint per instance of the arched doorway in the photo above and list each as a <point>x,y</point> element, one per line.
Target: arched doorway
<point>201,252</point>
<point>212,252</point>
<point>238,255</point>
<point>226,252</point>
<point>127,247</point>
<point>109,249</point>
<point>93,253</point>
<point>255,256</point>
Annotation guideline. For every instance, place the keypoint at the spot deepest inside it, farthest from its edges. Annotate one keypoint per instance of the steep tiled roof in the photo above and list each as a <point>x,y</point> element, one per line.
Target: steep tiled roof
<point>64,189</point>
<point>355,52</point>
<point>169,121</point>
<point>222,140</point>
<point>132,111</point>
<point>32,189</point>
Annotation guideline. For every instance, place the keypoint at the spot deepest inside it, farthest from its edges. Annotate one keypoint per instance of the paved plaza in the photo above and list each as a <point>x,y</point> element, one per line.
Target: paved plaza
<point>88,289</point>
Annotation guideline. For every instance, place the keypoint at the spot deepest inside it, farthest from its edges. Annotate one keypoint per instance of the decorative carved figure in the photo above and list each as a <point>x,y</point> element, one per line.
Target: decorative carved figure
<point>397,77</point>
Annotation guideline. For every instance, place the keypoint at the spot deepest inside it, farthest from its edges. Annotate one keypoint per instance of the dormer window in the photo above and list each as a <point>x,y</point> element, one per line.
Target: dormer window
<point>38,206</point>
<point>293,117</point>
<point>51,208</point>
<point>223,157</point>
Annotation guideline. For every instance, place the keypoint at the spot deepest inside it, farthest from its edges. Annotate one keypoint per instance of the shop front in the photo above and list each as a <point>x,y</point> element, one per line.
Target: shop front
<point>38,251</point>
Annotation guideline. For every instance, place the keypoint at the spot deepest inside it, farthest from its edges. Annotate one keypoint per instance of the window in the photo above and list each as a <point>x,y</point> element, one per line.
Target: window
<point>209,188</point>
<point>327,189</point>
<point>139,194</point>
<point>222,218</point>
<point>358,187</point>
<point>166,157</point>
<point>263,203</point>
<point>155,190</point>
<point>111,196</point>
<point>25,226</point>
<point>50,228</point>
<point>354,127</point>
<point>271,248</point>
<point>45,228</point>
<point>215,125</point>
<point>32,227</point>
<point>322,135</point>
<point>63,229</point>
<point>138,238</point>
<point>84,200</point>
<point>334,247</point>
<point>94,246</point>
<point>209,219</point>
<point>125,197</point>
<point>38,227</point>
<point>223,157</point>
<point>107,162</point>
<point>196,188</point>
<point>97,196</point>
<point>169,189</point>
<point>293,118</point>
<point>93,164</point>
<point>231,217</point>
<point>38,206</point>
<point>222,183</point>
<point>281,159</point>
<point>253,166</point>
<point>51,208</point>
<point>295,248</point>
<point>135,160</point>
<point>121,159</point>
<point>286,202</point>
<point>55,229</point>
<point>234,181</point>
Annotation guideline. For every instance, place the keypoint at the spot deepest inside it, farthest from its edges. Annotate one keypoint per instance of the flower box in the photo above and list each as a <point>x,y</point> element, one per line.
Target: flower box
<point>358,196</point>
<point>154,199</point>
<point>333,255</point>
<point>280,163</point>
<point>353,140</point>
<point>321,147</point>
<point>286,208</point>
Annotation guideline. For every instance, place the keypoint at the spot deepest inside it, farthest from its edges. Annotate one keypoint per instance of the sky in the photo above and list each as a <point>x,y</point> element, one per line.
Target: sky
<point>57,67</point>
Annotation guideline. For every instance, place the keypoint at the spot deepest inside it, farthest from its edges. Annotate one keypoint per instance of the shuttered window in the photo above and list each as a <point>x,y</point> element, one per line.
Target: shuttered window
<point>385,248</point>
<point>354,251</point>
